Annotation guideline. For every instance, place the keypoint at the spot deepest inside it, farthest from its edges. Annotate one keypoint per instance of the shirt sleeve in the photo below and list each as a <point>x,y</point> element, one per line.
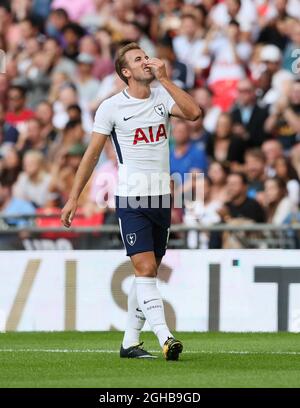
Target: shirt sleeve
<point>168,100</point>
<point>103,122</point>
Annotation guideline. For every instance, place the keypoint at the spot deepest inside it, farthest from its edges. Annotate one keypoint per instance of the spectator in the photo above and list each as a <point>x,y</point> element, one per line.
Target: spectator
<point>211,113</point>
<point>224,146</point>
<point>72,33</point>
<point>182,74</point>
<point>99,47</point>
<point>291,53</point>
<point>284,120</point>
<point>285,170</point>
<point>68,96</point>
<point>10,165</point>
<point>188,45</point>
<point>10,205</point>
<point>295,158</point>
<point>280,78</point>
<point>36,79</point>
<point>73,133</point>
<point>58,63</point>
<point>270,57</point>
<point>97,18</point>
<point>243,11</point>
<point>59,81</point>
<point>263,85</point>
<point>110,85</point>
<point>87,86</point>
<point>272,150</point>
<point>167,19</point>
<point>275,31</point>
<point>133,32</point>
<point>278,204</point>
<point>229,53</point>
<point>74,113</point>
<point>8,133</point>
<point>26,55</point>
<point>5,23</point>
<point>185,156</point>
<point>28,28</point>
<point>203,210</point>
<point>32,139</point>
<point>63,173</point>
<point>56,21</point>
<point>4,84</point>
<point>255,172</point>
<point>76,9</point>
<point>44,114</point>
<point>198,134</point>
<point>41,8</point>
<point>33,183</point>
<point>18,114</point>
<point>238,205</point>
<point>247,116</point>
<point>103,185</point>
<point>217,173</point>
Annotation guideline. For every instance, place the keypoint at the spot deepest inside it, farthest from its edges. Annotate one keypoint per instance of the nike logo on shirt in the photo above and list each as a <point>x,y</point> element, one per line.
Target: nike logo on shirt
<point>147,301</point>
<point>129,117</point>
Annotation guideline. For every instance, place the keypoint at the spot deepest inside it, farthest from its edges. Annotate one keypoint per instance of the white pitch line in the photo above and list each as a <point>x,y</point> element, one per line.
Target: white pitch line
<point>241,352</point>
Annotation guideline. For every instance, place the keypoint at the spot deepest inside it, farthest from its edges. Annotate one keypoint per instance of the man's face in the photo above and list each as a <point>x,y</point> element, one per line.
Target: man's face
<point>181,133</point>
<point>16,100</point>
<point>51,48</point>
<point>203,98</point>
<point>34,131</point>
<point>188,27</point>
<point>232,7</point>
<point>31,165</point>
<point>223,127</point>
<point>26,29</point>
<point>254,167</point>
<point>136,67</point>
<point>44,113</point>
<point>246,94</point>
<point>235,187</point>
<point>272,150</point>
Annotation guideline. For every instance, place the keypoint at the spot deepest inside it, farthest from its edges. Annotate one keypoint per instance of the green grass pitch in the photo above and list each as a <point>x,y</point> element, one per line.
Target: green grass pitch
<point>91,359</point>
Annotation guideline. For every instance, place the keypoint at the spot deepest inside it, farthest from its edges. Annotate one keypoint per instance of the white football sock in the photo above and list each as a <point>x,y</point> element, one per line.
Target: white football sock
<point>135,320</point>
<point>150,302</point>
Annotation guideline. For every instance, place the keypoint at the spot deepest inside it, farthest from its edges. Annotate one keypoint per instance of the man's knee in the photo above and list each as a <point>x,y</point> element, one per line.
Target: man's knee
<point>146,269</point>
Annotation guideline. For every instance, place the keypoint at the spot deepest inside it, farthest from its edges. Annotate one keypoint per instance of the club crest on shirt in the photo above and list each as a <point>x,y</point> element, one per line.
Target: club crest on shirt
<point>160,110</point>
<point>131,238</point>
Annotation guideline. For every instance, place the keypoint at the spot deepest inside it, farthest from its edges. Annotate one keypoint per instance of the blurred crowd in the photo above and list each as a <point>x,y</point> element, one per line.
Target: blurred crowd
<point>239,59</point>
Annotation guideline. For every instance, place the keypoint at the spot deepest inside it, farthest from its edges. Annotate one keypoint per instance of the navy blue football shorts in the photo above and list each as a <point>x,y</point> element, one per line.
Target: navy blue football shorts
<point>144,223</point>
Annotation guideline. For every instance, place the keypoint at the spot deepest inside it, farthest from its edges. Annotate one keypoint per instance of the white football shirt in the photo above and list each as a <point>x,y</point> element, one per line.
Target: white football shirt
<point>140,132</point>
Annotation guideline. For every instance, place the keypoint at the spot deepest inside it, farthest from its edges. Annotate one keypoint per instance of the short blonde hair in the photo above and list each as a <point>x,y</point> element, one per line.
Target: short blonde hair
<point>121,62</point>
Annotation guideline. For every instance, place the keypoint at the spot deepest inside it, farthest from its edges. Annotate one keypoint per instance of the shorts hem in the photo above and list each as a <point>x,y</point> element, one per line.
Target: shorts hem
<point>139,251</point>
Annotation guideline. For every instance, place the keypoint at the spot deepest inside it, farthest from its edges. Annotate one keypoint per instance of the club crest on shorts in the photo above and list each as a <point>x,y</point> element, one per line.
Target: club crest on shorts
<point>160,110</point>
<point>131,238</point>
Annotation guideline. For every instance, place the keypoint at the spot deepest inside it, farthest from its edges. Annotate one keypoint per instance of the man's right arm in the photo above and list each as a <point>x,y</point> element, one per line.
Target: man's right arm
<point>86,167</point>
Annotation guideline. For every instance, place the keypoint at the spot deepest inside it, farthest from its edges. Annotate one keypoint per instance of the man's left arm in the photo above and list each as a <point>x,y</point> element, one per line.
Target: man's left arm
<point>185,107</point>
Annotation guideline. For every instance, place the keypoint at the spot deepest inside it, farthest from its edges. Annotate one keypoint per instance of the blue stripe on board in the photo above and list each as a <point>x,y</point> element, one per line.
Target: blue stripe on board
<point>117,146</point>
